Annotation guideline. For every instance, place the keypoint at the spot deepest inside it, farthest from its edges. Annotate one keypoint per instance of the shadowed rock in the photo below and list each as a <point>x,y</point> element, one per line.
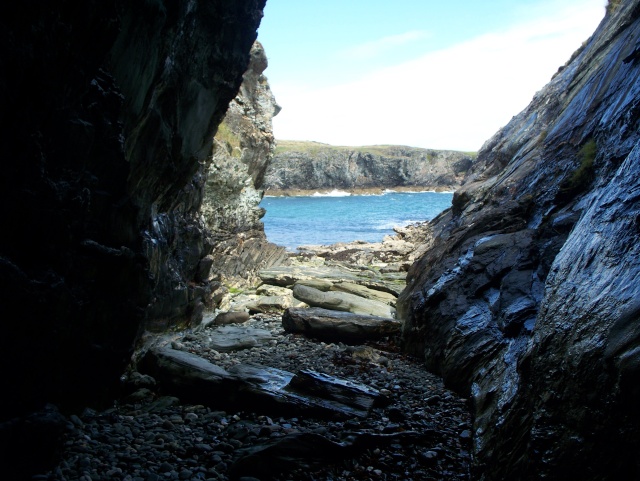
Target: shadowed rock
<point>309,451</point>
<point>338,326</point>
<point>258,388</point>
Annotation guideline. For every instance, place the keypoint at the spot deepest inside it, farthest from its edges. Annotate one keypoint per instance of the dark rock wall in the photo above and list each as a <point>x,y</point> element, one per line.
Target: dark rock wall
<point>528,299</point>
<point>108,112</point>
<point>314,166</point>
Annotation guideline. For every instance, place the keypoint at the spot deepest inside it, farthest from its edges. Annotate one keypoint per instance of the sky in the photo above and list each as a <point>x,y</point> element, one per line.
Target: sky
<point>424,73</point>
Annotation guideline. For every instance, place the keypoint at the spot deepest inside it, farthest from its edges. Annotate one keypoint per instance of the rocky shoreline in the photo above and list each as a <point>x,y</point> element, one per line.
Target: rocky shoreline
<point>358,190</point>
<point>420,431</point>
<point>423,433</point>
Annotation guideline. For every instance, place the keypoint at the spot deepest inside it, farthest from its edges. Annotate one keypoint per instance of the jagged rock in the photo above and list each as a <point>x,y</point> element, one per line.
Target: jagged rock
<point>258,388</point>
<point>342,301</point>
<point>243,147</point>
<point>231,317</point>
<point>527,295</point>
<point>304,167</point>
<point>338,326</point>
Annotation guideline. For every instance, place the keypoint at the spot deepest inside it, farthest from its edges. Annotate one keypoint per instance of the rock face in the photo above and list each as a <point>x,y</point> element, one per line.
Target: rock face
<point>243,147</point>
<point>335,325</point>
<point>527,299</point>
<point>310,166</point>
<point>109,110</point>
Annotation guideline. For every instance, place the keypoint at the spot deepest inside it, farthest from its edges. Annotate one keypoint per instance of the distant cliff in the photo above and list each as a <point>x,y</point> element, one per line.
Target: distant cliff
<point>243,147</point>
<point>528,299</point>
<point>311,166</point>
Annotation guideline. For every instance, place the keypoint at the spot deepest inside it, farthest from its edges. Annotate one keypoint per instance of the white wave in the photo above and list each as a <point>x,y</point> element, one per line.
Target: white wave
<point>333,193</point>
<point>391,224</point>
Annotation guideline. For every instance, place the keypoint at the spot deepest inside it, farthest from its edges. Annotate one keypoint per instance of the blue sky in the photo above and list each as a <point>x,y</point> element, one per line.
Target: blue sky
<point>435,74</point>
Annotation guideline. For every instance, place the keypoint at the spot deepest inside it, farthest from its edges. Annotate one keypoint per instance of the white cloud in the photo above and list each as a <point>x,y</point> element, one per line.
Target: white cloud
<point>450,99</point>
<point>382,45</point>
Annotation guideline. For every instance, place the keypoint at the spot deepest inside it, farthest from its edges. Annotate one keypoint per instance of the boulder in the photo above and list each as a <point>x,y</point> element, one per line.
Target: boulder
<point>231,317</point>
<point>272,304</point>
<point>342,301</point>
<point>338,326</point>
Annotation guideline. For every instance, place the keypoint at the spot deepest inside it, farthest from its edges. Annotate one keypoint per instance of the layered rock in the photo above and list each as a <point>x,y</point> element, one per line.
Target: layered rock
<point>243,147</point>
<point>109,110</point>
<point>527,298</point>
<point>300,167</point>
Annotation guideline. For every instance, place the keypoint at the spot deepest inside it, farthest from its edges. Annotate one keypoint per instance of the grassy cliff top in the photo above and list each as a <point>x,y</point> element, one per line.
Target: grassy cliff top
<point>309,147</point>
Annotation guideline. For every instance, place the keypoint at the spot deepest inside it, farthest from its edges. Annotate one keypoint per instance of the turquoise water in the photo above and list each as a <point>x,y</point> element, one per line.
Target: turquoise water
<point>296,221</point>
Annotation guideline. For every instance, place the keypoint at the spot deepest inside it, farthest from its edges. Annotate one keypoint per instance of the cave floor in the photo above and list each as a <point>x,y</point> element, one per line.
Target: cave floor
<point>423,434</point>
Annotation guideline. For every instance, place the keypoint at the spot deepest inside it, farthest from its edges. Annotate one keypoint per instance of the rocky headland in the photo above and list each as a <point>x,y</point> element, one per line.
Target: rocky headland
<point>303,168</point>
<point>498,341</point>
<point>243,148</point>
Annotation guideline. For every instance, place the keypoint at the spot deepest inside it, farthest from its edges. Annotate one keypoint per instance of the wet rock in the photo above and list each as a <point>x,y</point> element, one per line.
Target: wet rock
<point>342,301</point>
<point>531,280</point>
<point>338,326</point>
<point>260,388</point>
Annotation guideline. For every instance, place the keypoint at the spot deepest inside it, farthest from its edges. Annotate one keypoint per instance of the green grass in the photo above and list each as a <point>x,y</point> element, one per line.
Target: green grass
<point>313,148</point>
<point>613,5</point>
<point>584,175</point>
<point>225,136</point>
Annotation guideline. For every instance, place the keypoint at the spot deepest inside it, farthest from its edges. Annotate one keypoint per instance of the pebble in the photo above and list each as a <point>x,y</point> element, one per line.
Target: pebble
<point>159,439</point>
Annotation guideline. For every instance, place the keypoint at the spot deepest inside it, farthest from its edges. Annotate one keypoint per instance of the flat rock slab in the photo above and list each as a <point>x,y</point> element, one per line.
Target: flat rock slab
<point>287,276</point>
<point>342,301</point>
<point>367,293</point>
<point>258,388</point>
<point>235,338</point>
<point>332,326</point>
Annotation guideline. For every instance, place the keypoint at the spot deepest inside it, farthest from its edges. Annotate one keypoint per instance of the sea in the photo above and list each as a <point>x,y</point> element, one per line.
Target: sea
<point>338,216</point>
